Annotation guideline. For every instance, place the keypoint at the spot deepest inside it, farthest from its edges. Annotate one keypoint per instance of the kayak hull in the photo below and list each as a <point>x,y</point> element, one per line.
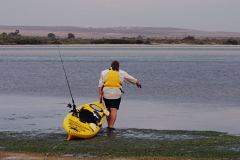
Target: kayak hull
<point>87,123</point>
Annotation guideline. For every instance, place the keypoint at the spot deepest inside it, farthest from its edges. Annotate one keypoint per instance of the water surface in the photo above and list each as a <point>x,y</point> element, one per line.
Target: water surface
<point>193,88</point>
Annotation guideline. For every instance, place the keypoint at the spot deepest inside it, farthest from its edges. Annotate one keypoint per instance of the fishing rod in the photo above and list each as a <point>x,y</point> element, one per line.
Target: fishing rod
<point>69,88</point>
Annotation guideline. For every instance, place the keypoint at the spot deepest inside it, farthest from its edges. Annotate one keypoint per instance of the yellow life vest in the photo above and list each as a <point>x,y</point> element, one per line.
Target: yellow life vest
<point>112,79</point>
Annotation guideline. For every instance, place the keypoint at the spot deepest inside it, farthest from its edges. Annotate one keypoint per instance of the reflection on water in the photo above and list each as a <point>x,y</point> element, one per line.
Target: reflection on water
<point>46,114</point>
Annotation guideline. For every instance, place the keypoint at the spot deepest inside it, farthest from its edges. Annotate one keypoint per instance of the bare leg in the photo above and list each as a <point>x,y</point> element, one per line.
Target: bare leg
<point>112,117</point>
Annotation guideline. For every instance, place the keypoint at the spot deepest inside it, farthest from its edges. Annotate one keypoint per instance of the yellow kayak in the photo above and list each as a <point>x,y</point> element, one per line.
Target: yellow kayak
<point>86,122</point>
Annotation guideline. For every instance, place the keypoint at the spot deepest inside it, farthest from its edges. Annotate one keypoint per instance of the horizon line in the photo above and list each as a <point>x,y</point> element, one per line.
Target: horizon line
<point>93,27</point>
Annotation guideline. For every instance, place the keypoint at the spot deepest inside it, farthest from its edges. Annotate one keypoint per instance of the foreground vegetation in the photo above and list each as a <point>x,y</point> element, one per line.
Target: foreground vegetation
<point>128,143</point>
<point>17,38</point>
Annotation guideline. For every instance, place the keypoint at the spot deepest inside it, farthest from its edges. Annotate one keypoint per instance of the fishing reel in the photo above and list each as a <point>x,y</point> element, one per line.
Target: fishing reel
<point>74,110</point>
<point>69,105</point>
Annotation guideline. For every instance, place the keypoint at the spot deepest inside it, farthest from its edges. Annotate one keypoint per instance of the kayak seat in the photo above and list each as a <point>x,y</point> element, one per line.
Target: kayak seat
<point>86,116</point>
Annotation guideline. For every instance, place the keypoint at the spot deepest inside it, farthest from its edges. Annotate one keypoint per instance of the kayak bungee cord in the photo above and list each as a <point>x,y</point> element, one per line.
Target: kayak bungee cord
<point>69,88</point>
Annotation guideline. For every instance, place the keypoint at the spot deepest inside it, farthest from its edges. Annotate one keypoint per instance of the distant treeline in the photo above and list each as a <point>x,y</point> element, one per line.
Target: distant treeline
<point>16,38</point>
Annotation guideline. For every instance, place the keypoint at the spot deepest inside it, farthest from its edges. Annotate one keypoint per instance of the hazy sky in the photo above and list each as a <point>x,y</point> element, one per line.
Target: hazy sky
<point>212,15</point>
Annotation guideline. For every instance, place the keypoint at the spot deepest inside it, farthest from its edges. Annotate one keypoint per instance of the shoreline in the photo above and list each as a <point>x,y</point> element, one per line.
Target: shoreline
<point>124,143</point>
<point>121,45</point>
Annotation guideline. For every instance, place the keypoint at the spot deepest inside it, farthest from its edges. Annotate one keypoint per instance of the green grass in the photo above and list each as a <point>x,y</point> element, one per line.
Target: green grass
<point>129,143</point>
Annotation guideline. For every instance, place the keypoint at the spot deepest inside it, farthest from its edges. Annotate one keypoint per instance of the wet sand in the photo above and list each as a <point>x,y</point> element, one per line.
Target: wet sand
<point>4,155</point>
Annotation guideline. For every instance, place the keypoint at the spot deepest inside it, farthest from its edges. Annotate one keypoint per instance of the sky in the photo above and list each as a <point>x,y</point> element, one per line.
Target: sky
<point>207,15</point>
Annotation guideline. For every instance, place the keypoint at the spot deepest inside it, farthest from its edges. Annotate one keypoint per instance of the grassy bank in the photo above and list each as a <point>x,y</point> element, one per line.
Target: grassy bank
<point>15,38</point>
<point>127,143</point>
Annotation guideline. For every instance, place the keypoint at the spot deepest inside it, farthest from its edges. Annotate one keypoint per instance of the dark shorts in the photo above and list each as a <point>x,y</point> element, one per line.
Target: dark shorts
<point>112,103</point>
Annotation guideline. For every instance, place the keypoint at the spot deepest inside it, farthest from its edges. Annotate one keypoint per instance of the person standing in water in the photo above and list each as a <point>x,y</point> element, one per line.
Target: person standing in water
<point>110,89</point>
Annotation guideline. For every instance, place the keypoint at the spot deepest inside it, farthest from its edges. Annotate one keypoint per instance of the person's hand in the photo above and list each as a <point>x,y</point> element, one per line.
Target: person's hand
<point>139,84</point>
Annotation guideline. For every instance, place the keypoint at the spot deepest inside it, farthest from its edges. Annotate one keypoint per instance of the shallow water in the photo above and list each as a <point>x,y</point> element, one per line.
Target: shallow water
<point>189,88</point>
<point>46,114</point>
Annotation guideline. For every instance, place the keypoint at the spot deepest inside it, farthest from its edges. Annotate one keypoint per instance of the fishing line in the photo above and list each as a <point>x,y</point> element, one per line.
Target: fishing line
<point>66,78</point>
